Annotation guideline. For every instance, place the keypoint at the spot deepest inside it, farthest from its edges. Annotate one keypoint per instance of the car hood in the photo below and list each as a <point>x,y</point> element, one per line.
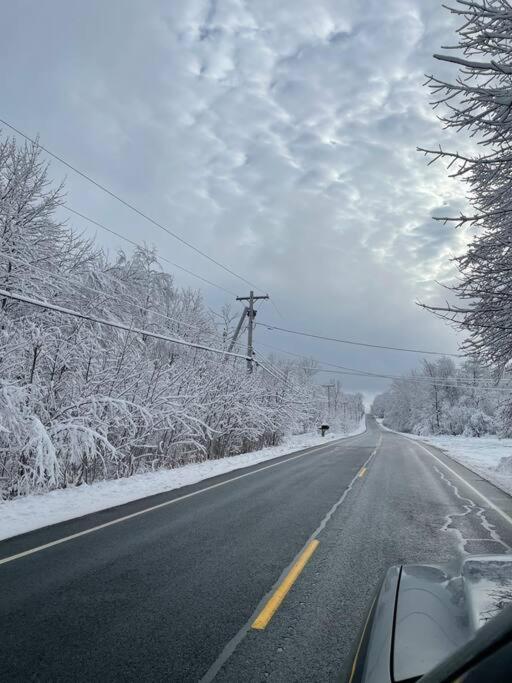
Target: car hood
<point>440,607</point>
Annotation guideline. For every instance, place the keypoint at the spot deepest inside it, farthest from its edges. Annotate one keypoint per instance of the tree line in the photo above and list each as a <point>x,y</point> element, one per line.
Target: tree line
<point>441,397</point>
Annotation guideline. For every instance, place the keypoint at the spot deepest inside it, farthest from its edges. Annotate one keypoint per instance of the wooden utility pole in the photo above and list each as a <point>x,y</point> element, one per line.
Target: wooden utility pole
<point>251,314</point>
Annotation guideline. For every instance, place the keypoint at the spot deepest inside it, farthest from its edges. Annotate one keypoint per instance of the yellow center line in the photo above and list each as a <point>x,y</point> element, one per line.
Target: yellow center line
<point>362,472</point>
<point>281,591</point>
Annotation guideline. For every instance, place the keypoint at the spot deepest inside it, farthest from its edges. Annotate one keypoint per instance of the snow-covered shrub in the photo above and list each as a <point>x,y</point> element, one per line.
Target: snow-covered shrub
<point>28,458</point>
<point>479,424</point>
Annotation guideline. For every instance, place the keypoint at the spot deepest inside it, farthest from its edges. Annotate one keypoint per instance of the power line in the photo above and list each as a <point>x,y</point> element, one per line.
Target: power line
<point>273,303</point>
<point>66,311</point>
<point>306,357</point>
<point>262,365</point>
<point>276,308</point>
<point>78,284</point>
<point>456,381</point>
<point>274,368</point>
<point>136,244</point>
<point>277,370</point>
<point>113,323</point>
<point>276,374</point>
<point>130,206</point>
<point>425,381</point>
<point>484,383</point>
<point>357,343</point>
<point>75,282</point>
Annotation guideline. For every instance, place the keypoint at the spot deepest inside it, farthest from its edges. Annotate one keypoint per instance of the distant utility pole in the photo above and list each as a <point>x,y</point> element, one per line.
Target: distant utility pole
<point>328,387</point>
<point>250,312</point>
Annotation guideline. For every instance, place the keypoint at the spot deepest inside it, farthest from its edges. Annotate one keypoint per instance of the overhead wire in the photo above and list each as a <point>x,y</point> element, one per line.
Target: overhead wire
<point>425,381</point>
<point>112,323</point>
<point>485,383</point>
<point>129,205</point>
<point>137,244</point>
<point>308,356</point>
<point>355,371</point>
<point>271,370</point>
<point>127,328</point>
<point>79,284</point>
<point>262,365</point>
<point>167,230</point>
<point>143,215</point>
<point>276,370</point>
<point>199,251</point>
<point>271,327</point>
<point>273,303</point>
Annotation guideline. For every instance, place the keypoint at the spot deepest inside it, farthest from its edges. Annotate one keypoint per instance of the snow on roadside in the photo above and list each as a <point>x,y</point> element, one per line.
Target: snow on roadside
<point>35,511</point>
<point>488,456</point>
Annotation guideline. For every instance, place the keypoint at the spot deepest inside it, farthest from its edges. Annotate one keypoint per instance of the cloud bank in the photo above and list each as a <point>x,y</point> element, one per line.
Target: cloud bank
<point>279,137</point>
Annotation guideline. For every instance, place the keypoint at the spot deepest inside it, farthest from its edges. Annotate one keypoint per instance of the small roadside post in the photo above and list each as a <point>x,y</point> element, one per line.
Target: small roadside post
<point>323,429</point>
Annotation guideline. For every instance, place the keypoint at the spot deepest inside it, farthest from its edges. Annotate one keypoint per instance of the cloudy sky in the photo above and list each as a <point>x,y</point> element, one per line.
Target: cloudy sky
<point>278,137</point>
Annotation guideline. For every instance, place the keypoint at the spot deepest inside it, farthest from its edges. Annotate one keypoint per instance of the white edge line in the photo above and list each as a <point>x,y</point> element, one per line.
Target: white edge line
<point>232,644</point>
<point>470,486</point>
<point>71,537</point>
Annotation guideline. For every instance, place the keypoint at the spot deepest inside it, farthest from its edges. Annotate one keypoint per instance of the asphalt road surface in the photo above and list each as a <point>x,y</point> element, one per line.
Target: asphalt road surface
<point>171,593</point>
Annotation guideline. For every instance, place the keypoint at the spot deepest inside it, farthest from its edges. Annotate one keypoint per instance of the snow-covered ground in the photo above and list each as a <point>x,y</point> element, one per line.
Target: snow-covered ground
<point>488,456</point>
<point>33,512</point>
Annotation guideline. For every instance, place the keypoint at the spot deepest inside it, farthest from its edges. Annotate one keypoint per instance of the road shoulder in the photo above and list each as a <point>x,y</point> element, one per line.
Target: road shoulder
<point>488,490</point>
<point>20,543</point>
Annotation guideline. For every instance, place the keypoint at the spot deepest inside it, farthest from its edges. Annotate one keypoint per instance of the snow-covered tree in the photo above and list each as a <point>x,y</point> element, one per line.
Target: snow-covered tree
<point>479,102</point>
<point>441,398</point>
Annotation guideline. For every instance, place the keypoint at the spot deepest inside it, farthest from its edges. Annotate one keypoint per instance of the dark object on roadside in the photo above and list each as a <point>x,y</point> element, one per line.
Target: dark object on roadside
<point>439,624</point>
<point>323,429</point>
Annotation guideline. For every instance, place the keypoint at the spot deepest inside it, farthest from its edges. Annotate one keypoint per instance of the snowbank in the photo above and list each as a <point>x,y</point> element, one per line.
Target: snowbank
<point>33,512</point>
<point>488,456</point>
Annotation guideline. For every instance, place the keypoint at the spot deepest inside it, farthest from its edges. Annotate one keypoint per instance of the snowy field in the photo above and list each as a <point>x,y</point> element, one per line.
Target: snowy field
<point>488,456</point>
<point>33,512</point>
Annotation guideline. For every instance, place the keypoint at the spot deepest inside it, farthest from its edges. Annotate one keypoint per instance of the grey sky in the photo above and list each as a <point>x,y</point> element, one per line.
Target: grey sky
<point>279,137</point>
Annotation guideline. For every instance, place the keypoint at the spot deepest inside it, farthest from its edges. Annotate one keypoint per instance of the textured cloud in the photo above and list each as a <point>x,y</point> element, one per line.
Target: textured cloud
<point>279,137</point>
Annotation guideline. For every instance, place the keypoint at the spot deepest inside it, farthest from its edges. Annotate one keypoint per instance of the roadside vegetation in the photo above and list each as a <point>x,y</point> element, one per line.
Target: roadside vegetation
<point>443,398</point>
<point>81,401</point>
